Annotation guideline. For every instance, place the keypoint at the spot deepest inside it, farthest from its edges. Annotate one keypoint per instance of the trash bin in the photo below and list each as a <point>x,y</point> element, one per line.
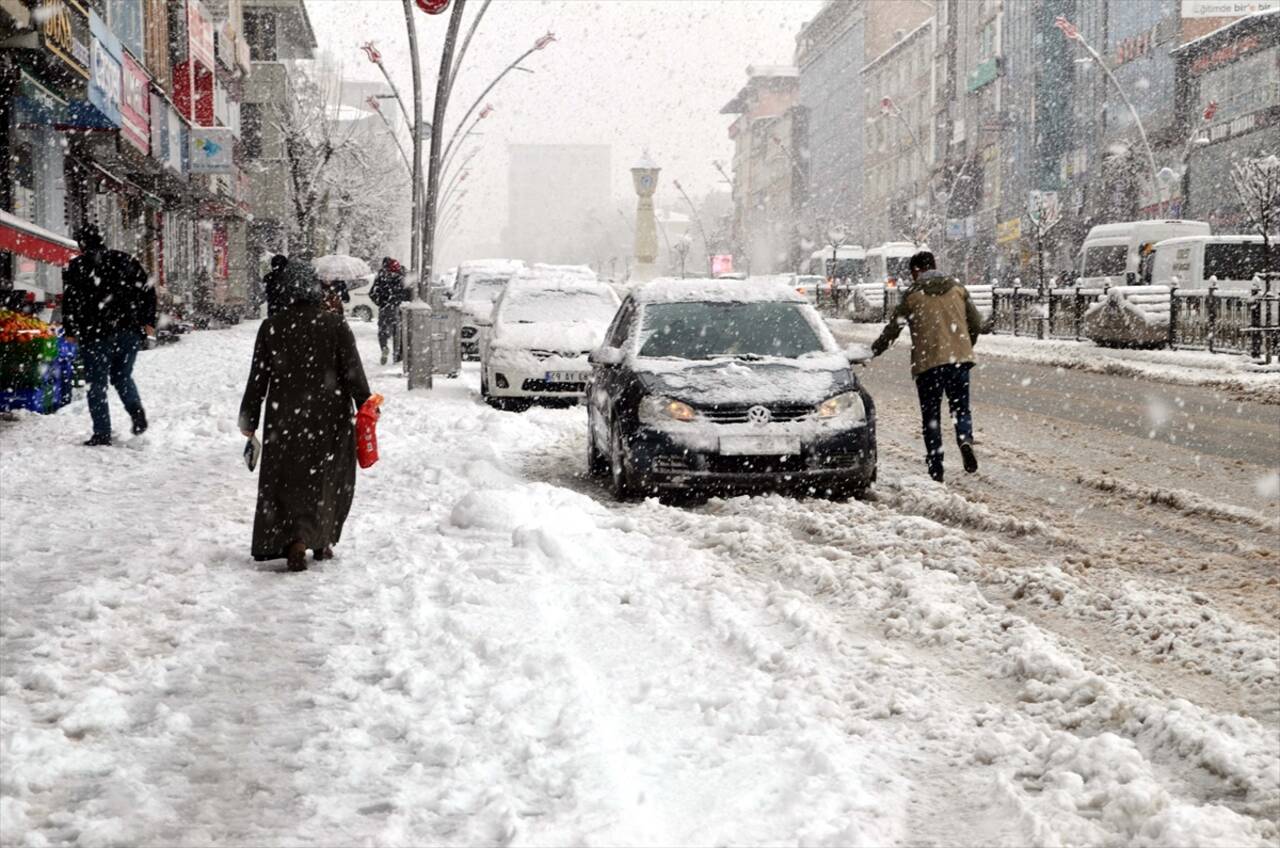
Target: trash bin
<point>416,330</point>
<point>446,335</point>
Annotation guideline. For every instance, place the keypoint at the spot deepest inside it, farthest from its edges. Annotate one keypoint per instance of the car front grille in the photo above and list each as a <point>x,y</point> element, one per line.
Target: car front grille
<point>737,414</point>
<point>547,386</point>
<point>563,354</point>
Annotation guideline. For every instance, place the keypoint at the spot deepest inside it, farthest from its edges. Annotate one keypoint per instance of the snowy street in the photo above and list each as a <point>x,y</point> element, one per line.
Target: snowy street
<point>1075,646</point>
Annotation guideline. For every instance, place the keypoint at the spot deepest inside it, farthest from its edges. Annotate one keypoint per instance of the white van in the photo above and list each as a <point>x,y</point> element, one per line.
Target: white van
<point>887,264</point>
<point>850,263</point>
<point>1190,262</point>
<point>1112,253</point>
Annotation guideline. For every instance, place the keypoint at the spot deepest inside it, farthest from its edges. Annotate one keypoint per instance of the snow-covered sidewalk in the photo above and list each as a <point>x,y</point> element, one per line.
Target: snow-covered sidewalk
<point>501,655</point>
<point>1232,372</point>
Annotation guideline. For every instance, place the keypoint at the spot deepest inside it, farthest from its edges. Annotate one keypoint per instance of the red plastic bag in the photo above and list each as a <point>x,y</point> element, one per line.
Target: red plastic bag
<point>367,431</point>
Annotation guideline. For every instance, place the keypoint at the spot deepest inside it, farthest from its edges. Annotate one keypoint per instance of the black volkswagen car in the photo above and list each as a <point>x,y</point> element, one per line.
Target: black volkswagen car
<point>723,386</point>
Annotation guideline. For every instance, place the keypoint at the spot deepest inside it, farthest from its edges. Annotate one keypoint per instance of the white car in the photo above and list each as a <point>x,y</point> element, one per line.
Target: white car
<point>360,306</point>
<point>543,331</point>
<point>479,284</point>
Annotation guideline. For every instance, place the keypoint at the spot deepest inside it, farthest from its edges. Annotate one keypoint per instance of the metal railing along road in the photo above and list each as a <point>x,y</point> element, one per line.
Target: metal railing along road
<point>1233,320</point>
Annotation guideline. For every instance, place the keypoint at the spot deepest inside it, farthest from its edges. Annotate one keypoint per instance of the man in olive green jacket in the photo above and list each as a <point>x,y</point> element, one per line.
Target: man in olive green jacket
<point>944,327</point>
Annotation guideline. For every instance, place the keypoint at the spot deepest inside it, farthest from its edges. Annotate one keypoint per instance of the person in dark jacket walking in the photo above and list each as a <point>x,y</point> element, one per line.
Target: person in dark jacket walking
<point>108,307</point>
<point>306,367</point>
<point>944,327</point>
<point>387,293</point>
<point>273,284</point>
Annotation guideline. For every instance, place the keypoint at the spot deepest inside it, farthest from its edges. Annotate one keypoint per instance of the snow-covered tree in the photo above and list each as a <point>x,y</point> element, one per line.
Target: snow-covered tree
<point>1257,183</point>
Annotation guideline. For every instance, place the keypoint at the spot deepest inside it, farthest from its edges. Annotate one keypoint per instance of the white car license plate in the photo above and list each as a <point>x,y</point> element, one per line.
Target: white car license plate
<point>759,445</point>
<point>567,376</point>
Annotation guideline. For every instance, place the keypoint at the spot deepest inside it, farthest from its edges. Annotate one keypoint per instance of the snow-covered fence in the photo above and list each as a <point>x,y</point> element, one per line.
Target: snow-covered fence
<point>1228,320</point>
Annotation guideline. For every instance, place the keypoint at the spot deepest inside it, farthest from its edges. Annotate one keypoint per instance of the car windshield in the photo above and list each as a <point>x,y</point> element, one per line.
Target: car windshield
<point>1106,261</point>
<point>738,330</point>
<point>485,288</point>
<point>585,307</point>
<point>1242,261</point>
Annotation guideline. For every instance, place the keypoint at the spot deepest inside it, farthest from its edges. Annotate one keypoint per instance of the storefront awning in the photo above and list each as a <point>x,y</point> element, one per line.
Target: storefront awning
<point>26,239</point>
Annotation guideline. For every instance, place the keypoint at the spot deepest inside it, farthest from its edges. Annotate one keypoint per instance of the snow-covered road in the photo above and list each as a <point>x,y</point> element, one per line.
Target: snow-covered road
<point>499,654</point>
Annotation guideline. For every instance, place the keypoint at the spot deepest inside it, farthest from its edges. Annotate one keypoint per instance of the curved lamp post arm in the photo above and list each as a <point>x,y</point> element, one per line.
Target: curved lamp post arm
<point>466,42</point>
<point>537,45</point>
<point>1070,32</point>
<point>697,219</point>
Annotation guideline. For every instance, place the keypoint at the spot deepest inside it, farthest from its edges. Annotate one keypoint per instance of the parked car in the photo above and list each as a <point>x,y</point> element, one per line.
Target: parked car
<point>479,284</point>
<point>724,386</point>
<point>543,331</point>
<point>360,306</point>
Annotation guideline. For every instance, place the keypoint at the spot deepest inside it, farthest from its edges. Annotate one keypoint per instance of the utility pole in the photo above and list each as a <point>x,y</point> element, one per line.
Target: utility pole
<point>414,63</point>
<point>437,126</point>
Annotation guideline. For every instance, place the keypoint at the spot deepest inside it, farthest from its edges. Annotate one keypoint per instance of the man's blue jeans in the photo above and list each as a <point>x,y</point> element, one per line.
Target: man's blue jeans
<point>951,380</point>
<point>110,360</point>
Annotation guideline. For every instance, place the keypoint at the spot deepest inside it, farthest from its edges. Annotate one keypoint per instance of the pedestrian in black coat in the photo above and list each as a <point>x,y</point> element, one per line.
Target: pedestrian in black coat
<point>308,371</point>
<point>387,293</point>
<point>273,284</point>
<point>108,307</point>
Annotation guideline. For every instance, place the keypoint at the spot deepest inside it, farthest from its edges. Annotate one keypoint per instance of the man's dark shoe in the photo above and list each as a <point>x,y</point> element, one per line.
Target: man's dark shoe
<point>936,474</point>
<point>384,356</point>
<point>323,553</point>
<point>970,461</point>
<point>140,423</point>
<point>297,557</point>
<point>98,440</point>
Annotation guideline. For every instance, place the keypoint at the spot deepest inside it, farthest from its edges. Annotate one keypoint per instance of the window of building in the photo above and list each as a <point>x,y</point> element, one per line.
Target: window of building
<point>251,130</point>
<point>260,32</point>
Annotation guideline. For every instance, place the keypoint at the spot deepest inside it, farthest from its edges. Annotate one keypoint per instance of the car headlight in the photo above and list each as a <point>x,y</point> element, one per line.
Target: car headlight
<point>847,405</point>
<point>656,409</point>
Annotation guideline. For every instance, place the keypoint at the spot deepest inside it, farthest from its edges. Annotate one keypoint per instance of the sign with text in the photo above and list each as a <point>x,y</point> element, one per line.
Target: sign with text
<point>211,149</point>
<point>105,70</point>
<point>1226,8</point>
<point>721,263</point>
<point>135,105</point>
<point>199,34</point>
<point>167,144</point>
<point>64,27</point>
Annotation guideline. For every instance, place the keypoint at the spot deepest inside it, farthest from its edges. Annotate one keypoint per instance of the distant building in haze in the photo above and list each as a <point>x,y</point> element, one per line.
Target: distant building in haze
<point>554,192</point>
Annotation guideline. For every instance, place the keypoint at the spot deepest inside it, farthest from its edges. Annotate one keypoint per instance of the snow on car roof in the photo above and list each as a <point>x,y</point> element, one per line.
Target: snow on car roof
<point>718,291</point>
<point>530,280</point>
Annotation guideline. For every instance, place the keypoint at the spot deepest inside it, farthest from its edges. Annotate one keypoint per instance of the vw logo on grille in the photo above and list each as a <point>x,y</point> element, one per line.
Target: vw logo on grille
<point>759,415</point>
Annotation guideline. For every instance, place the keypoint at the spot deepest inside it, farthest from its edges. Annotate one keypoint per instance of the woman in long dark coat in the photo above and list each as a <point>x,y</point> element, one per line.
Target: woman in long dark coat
<point>307,369</point>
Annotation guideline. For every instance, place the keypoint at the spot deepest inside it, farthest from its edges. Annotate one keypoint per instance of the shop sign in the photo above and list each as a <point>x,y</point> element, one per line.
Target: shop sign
<point>721,263</point>
<point>221,105</point>
<point>65,30</point>
<point>983,74</point>
<point>36,105</point>
<point>1241,125</point>
<point>1223,55</point>
<point>167,144</point>
<point>135,105</point>
<point>105,70</point>
<point>1134,47</point>
<point>227,45</point>
<point>199,34</point>
<point>211,149</point>
<point>1226,8</point>
<point>1007,231</point>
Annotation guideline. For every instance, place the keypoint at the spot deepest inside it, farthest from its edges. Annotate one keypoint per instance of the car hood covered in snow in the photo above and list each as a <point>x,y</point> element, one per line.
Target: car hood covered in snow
<point>566,336</point>
<point>729,381</point>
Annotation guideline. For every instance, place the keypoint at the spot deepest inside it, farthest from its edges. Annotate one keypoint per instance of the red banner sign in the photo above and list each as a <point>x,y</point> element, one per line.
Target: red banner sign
<point>199,34</point>
<point>135,105</point>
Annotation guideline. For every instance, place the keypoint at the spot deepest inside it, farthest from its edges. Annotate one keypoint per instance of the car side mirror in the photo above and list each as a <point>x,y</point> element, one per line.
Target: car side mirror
<point>858,354</point>
<point>606,356</point>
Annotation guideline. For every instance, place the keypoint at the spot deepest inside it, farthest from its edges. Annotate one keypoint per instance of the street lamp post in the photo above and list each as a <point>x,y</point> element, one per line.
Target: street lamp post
<point>427,251</point>
<point>835,237</point>
<point>1071,33</point>
<point>416,121</point>
<point>375,106</point>
<point>697,219</point>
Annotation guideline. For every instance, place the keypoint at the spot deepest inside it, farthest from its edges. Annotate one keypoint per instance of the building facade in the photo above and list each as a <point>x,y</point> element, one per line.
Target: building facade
<point>768,173</point>
<point>556,192</point>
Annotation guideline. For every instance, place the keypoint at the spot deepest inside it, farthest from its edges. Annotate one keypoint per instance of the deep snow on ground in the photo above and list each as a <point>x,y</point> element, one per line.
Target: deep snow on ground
<point>499,654</point>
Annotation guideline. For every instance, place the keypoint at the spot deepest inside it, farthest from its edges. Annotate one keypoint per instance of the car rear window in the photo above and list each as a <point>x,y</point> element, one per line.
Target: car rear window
<point>713,330</point>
